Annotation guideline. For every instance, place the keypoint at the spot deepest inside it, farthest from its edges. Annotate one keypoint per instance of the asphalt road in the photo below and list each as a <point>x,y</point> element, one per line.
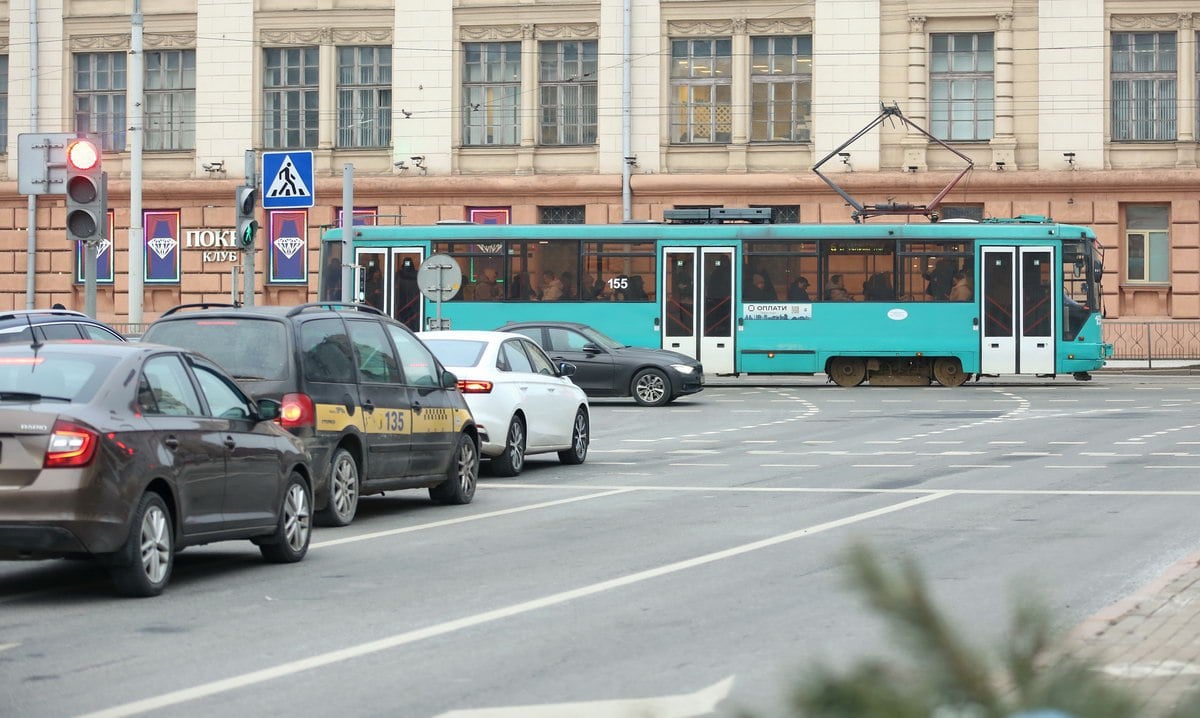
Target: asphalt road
<point>693,566</point>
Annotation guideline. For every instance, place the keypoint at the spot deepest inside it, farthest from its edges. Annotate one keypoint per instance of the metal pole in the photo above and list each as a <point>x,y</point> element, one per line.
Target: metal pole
<point>441,288</point>
<point>233,285</point>
<point>31,241</point>
<point>137,235</point>
<point>626,110</point>
<point>348,283</point>
<point>251,160</point>
<point>89,278</point>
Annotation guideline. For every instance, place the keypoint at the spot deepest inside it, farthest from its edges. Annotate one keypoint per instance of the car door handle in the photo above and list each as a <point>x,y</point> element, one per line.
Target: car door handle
<point>368,406</point>
<point>229,442</point>
<point>416,407</point>
<point>171,443</point>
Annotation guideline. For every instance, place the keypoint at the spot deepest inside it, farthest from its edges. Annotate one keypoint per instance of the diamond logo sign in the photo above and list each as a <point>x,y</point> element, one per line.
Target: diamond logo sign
<point>288,246</point>
<point>102,246</point>
<point>163,246</point>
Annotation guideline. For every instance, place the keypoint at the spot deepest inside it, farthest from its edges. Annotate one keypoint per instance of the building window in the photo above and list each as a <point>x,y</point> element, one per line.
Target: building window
<point>701,90</point>
<point>291,100</point>
<point>170,100</point>
<point>962,86</point>
<point>364,88</point>
<point>1143,86</point>
<point>781,89</point>
<point>1147,244</point>
<point>567,76</point>
<point>491,93</point>
<point>782,213</point>
<point>3,104</point>
<point>100,97</point>
<point>570,214</point>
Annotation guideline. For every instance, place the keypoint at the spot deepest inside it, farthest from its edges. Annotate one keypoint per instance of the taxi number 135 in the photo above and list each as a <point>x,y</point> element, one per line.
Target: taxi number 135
<point>393,421</point>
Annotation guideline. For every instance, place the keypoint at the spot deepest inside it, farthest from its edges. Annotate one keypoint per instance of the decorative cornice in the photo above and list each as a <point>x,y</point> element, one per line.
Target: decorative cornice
<point>476,33</point>
<point>1161,21</point>
<point>780,26</point>
<point>569,31</point>
<point>170,40</point>
<point>99,42</point>
<point>699,28</point>
<point>328,36</point>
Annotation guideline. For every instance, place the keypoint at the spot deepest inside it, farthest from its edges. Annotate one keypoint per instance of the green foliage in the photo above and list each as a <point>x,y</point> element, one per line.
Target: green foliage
<point>948,678</point>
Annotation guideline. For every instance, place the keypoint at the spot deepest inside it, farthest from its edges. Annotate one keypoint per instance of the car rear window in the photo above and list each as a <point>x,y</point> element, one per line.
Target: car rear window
<point>246,348</point>
<point>456,352</point>
<point>24,377</point>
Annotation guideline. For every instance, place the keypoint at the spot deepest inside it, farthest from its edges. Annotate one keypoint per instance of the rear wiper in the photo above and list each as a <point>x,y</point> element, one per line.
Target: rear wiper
<point>29,396</point>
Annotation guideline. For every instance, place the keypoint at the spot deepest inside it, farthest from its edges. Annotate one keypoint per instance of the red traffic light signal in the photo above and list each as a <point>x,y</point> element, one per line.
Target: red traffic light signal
<point>82,155</point>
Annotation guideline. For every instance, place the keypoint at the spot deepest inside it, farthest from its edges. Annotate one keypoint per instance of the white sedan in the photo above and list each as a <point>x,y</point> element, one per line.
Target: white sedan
<point>522,403</point>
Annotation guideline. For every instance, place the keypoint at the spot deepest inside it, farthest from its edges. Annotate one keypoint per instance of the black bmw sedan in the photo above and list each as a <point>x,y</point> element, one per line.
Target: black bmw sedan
<point>606,367</point>
<point>129,452</point>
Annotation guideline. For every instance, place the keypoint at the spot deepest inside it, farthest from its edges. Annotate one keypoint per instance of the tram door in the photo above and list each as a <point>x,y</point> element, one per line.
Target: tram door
<point>387,280</point>
<point>1017,306</point>
<point>697,305</point>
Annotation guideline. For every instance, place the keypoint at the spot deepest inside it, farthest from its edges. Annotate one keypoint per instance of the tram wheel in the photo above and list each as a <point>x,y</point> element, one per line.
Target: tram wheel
<point>948,371</point>
<point>847,371</point>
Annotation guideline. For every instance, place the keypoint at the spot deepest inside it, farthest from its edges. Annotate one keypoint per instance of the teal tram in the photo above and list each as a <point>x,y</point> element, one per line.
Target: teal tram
<point>899,304</point>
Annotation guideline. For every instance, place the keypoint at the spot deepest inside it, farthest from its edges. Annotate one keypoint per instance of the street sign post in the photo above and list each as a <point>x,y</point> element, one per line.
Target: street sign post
<point>439,278</point>
<point>287,179</point>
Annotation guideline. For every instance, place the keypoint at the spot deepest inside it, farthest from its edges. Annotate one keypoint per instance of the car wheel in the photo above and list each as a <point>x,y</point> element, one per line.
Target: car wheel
<point>289,543</point>
<point>143,565</point>
<point>459,486</point>
<point>580,439</point>
<point>344,485</point>
<point>651,388</point>
<point>512,459</point>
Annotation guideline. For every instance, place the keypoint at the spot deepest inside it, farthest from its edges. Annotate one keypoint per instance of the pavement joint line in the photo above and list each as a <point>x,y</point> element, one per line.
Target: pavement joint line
<point>341,655</point>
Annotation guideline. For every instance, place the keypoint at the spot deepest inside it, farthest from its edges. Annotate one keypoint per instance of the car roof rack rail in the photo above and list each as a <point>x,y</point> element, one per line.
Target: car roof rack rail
<point>59,312</point>
<point>335,306</point>
<point>200,305</point>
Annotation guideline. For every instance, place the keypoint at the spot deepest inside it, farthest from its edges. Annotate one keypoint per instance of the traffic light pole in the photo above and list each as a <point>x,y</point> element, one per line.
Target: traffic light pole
<point>248,251</point>
<point>91,252</point>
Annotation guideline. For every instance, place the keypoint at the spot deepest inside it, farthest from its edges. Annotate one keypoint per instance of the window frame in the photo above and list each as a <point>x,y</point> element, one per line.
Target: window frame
<point>1151,117</point>
<point>980,74</point>
<point>102,88</point>
<point>558,77</point>
<point>689,80</point>
<point>496,100</point>
<point>1156,246</point>
<point>172,128</point>
<point>285,126</point>
<point>799,110</point>
<point>364,103</point>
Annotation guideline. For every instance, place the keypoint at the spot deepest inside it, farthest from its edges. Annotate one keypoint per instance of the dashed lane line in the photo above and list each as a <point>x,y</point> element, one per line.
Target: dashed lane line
<point>668,488</point>
<point>348,653</point>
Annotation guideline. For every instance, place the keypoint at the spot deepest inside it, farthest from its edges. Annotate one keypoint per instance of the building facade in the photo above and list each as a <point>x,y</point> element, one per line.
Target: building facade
<point>1081,110</point>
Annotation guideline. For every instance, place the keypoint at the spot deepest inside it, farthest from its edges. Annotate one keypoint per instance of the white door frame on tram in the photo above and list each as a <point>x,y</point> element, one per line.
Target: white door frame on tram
<point>388,259</point>
<point>696,304</point>
<point>1016,303</point>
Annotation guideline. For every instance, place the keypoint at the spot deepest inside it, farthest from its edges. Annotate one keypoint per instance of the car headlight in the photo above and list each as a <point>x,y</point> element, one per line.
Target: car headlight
<point>683,368</point>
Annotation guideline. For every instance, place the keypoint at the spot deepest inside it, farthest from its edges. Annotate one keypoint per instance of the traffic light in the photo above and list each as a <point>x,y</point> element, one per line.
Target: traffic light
<point>85,191</point>
<point>247,226</point>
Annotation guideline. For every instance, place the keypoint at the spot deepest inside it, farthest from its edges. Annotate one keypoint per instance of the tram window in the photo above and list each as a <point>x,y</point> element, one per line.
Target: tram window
<point>928,271</point>
<point>482,268</point>
<point>788,271</point>
<point>862,270</point>
<point>619,272</point>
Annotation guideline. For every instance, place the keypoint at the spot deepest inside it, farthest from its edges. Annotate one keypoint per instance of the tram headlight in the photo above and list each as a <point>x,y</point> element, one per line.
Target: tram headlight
<point>683,368</point>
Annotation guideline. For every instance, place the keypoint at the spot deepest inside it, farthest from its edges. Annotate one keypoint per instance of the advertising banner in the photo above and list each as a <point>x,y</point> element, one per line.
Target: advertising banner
<point>288,244</point>
<point>161,230</point>
<point>104,257</point>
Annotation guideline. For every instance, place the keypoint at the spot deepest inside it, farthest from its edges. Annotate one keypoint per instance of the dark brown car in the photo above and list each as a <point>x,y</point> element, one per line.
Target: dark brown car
<point>129,452</point>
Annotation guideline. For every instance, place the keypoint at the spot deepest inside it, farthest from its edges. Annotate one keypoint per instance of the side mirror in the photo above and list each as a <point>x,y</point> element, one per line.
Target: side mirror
<point>268,409</point>
<point>566,368</point>
<point>591,348</point>
<point>449,381</point>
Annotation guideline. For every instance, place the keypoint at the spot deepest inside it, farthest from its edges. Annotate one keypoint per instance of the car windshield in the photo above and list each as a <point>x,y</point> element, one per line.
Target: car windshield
<point>603,340</point>
<point>456,352</point>
<point>246,348</point>
<point>45,375</point>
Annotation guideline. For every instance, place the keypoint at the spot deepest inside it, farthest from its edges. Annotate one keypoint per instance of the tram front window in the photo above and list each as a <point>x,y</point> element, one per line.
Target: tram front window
<point>1081,271</point>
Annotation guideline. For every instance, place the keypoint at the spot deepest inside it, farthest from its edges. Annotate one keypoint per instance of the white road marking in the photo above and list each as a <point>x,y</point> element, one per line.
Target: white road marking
<point>463,519</point>
<point>1156,669</point>
<point>1181,466</point>
<point>1104,453</point>
<point>848,490</point>
<point>760,441</point>
<point>6,646</point>
<point>702,702</point>
<point>701,441</point>
<point>401,639</point>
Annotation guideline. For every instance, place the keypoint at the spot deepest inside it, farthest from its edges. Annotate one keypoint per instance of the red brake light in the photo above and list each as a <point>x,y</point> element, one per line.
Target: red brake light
<point>215,323</point>
<point>474,386</point>
<point>297,411</point>
<point>71,445</point>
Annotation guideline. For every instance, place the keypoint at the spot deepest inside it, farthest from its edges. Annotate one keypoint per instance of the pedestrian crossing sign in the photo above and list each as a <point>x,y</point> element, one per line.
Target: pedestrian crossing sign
<point>287,179</point>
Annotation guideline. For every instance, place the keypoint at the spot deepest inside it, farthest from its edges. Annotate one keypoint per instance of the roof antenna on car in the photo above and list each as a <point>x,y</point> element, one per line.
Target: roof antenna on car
<point>35,345</point>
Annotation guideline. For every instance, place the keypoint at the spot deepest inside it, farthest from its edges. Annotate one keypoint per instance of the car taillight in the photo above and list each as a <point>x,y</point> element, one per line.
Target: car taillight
<point>474,386</point>
<point>71,445</point>
<point>297,411</point>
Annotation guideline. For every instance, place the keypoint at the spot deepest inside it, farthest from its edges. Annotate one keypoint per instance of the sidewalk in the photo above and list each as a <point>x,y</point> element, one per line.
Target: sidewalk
<point>1151,640</point>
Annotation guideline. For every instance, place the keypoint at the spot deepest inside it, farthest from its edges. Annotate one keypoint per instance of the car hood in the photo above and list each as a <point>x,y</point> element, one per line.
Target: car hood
<point>657,356</point>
